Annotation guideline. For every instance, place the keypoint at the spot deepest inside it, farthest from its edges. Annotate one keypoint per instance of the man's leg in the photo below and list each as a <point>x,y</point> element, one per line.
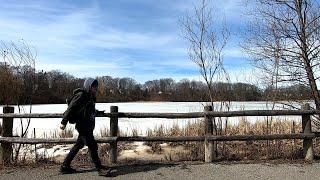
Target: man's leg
<point>73,152</point>
<point>93,148</point>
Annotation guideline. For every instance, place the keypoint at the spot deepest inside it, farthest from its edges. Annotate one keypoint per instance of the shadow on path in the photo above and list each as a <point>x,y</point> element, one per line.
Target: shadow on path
<point>118,170</point>
<point>136,168</point>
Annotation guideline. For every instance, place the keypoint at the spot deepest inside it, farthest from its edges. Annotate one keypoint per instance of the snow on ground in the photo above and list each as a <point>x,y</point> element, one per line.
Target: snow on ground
<point>135,151</point>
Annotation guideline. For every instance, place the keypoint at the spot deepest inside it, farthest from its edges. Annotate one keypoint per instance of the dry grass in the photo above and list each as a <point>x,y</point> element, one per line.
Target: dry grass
<point>67,133</point>
<point>237,150</point>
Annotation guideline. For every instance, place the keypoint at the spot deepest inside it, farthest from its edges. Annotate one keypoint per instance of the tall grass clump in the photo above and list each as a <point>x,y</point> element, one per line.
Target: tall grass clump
<point>237,150</point>
<point>195,149</point>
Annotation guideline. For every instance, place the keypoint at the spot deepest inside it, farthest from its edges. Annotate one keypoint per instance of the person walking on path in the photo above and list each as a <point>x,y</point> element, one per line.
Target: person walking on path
<point>81,110</point>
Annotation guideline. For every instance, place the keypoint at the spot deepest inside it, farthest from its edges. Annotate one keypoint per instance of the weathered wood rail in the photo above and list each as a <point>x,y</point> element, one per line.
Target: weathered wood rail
<point>209,139</point>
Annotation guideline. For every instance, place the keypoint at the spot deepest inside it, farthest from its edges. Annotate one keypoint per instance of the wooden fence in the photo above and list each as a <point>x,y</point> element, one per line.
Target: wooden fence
<point>209,139</point>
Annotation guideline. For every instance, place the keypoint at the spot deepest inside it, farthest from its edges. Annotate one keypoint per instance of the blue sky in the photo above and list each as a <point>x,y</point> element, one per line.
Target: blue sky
<point>140,39</point>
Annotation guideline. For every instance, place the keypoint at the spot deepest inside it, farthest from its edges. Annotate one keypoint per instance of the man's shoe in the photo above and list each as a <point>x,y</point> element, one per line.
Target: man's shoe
<point>67,170</point>
<point>104,171</point>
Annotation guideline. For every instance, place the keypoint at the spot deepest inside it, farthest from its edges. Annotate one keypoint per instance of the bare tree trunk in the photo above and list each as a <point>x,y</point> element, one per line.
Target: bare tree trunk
<point>304,48</point>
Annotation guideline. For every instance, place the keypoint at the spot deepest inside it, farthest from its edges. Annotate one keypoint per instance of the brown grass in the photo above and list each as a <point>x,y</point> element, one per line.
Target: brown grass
<point>238,150</point>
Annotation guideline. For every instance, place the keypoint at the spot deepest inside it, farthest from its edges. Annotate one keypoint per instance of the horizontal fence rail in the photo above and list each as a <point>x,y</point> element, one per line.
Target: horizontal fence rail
<point>209,138</point>
<point>176,115</point>
<point>50,141</point>
<point>162,138</point>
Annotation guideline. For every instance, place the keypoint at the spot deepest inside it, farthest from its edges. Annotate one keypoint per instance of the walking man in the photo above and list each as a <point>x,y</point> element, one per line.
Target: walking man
<point>81,111</point>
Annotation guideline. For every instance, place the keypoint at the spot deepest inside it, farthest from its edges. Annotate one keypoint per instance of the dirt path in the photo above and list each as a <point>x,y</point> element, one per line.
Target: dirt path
<point>178,172</point>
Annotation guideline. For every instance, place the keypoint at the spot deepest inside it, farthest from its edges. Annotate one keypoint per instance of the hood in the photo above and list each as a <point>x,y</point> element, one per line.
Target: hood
<point>87,84</point>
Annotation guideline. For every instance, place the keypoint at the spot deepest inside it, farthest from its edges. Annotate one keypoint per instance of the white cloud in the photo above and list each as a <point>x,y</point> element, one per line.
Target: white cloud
<point>234,52</point>
<point>64,35</point>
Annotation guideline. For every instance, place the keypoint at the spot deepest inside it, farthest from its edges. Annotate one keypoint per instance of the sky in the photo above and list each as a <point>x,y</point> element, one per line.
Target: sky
<point>140,39</point>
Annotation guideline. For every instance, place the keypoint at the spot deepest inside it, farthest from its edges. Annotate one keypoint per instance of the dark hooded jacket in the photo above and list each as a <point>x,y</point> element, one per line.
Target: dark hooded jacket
<point>82,103</point>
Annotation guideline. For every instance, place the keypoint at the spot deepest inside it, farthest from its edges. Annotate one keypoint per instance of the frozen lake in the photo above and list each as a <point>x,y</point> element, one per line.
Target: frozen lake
<point>142,125</point>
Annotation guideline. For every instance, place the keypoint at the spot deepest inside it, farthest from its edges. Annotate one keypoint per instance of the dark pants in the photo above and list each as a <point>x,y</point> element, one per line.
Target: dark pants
<point>84,139</point>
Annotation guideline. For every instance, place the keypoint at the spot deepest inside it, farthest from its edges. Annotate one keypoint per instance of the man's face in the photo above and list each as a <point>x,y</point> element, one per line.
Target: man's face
<point>94,90</point>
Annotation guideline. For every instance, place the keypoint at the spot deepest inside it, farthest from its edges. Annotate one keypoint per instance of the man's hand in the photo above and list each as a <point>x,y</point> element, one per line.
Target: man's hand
<point>99,112</point>
<point>62,126</point>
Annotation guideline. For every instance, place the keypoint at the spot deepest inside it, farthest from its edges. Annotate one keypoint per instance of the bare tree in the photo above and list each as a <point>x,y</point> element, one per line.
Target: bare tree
<point>283,40</point>
<point>15,57</point>
<point>207,35</point>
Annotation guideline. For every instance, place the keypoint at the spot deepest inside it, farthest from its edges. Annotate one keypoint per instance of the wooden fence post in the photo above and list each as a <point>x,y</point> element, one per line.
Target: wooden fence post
<point>306,129</point>
<point>6,148</point>
<point>209,155</point>
<point>114,133</point>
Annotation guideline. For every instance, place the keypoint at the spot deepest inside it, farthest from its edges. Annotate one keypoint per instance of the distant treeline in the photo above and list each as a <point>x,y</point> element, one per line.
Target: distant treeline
<point>24,85</point>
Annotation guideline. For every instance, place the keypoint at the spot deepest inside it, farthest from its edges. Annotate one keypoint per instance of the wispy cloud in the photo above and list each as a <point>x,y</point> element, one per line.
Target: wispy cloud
<point>98,37</point>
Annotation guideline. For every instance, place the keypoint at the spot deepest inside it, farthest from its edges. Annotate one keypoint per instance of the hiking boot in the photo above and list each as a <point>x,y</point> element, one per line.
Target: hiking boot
<point>67,170</point>
<point>104,171</point>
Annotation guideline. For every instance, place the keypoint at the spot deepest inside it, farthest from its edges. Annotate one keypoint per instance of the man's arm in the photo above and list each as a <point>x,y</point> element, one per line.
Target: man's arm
<point>75,104</point>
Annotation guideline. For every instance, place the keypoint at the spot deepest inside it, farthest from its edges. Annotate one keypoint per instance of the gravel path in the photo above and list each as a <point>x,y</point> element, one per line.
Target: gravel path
<point>178,171</point>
